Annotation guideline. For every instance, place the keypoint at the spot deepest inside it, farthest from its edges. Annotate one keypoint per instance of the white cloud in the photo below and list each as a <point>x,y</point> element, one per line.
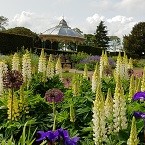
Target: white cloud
<point>95,18</point>
<point>117,25</point>
<point>35,22</point>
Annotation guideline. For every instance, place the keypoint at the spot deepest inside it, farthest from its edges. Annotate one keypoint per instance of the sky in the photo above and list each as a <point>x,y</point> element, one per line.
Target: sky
<point>39,15</point>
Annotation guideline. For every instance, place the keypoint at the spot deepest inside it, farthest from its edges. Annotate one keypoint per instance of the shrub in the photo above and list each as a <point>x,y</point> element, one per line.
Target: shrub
<point>91,62</point>
<point>75,58</point>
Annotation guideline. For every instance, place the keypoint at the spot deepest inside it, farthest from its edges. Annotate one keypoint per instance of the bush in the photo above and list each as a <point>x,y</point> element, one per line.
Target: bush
<point>139,63</point>
<point>75,58</point>
<point>91,62</point>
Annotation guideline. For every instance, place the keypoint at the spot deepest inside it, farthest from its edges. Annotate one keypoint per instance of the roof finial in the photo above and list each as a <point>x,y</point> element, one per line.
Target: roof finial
<point>63,16</point>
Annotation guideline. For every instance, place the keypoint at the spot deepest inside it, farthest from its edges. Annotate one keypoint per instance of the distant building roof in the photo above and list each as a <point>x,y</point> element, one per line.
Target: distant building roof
<point>63,30</point>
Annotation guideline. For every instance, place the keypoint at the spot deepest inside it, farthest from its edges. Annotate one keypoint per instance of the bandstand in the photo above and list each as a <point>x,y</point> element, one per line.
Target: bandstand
<point>64,35</point>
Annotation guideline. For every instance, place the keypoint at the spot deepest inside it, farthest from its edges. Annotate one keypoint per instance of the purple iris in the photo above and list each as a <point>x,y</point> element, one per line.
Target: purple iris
<point>67,140</point>
<point>56,136</point>
<point>138,96</point>
<point>49,135</point>
<point>139,115</point>
<point>71,141</point>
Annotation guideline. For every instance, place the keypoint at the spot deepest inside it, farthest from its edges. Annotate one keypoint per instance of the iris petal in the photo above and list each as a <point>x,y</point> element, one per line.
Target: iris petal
<point>139,95</point>
<point>139,115</point>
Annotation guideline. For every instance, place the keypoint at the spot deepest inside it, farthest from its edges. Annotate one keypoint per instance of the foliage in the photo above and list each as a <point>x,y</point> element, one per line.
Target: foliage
<point>89,40</point>
<point>74,113</point>
<point>134,43</point>
<point>91,62</point>
<point>140,63</point>
<point>101,38</point>
<point>27,138</point>
<point>38,87</point>
<point>75,58</point>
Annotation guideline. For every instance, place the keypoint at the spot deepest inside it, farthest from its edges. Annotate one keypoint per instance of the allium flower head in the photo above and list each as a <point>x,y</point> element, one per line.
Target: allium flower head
<point>54,95</point>
<point>13,79</point>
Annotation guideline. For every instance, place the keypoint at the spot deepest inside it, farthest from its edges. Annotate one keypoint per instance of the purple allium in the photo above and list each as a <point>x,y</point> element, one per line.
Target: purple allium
<point>139,96</point>
<point>139,115</point>
<point>13,79</point>
<point>54,95</point>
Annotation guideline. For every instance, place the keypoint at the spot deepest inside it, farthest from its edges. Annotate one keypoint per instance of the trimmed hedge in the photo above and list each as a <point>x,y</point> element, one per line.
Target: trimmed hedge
<point>10,43</point>
<point>89,50</point>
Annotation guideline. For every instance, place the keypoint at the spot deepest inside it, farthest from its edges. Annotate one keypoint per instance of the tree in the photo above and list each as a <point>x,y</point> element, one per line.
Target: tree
<point>101,38</point>
<point>115,43</point>
<point>3,22</point>
<point>134,43</point>
<point>89,40</point>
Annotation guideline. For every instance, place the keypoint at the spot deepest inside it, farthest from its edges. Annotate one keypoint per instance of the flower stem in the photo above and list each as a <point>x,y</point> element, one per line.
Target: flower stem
<point>144,129</point>
<point>54,115</point>
<point>12,103</point>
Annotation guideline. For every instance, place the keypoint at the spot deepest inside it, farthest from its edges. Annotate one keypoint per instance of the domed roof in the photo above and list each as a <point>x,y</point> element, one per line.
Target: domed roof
<point>63,30</point>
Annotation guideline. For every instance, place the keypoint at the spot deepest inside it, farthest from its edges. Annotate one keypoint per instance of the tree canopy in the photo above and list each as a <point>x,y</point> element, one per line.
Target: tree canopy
<point>101,38</point>
<point>21,31</point>
<point>134,43</point>
<point>3,22</point>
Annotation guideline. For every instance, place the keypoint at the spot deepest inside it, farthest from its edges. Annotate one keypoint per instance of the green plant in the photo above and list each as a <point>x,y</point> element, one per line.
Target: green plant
<point>75,58</point>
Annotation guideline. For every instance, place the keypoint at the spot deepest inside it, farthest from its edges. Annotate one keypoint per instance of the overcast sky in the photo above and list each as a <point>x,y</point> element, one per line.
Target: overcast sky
<point>38,15</point>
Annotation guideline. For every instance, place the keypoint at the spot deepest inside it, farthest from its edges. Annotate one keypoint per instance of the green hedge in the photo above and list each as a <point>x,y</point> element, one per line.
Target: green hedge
<point>10,43</point>
<point>89,50</point>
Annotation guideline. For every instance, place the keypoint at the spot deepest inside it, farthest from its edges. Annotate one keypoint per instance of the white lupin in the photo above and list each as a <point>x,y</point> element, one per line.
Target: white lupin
<point>50,69</point>
<point>85,74</point>
<point>95,79</point>
<point>119,107</point>
<point>101,67</point>
<point>3,70</point>
<point>99,118</point>
<point>130,64</point>
<point>42,63</point>
<point>109,112</point>
<point>26,67</point>
<point>16,62</point>
<point>133,140</point>
<point>58,68</point>
<point>143,81</point>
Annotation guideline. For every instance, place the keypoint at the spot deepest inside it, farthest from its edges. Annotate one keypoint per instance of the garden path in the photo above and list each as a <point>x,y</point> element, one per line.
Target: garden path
<point>137,71</point>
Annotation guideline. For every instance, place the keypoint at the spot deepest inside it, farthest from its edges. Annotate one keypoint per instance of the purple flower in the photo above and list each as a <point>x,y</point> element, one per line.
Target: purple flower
<point>54,95</point>
<point>138,96</point>
<point>13,79</point>
<point>51,136</point>
<point>66,138</point>
<point>57,136</point>
<point>139,115</point>
<point>71,141</point>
